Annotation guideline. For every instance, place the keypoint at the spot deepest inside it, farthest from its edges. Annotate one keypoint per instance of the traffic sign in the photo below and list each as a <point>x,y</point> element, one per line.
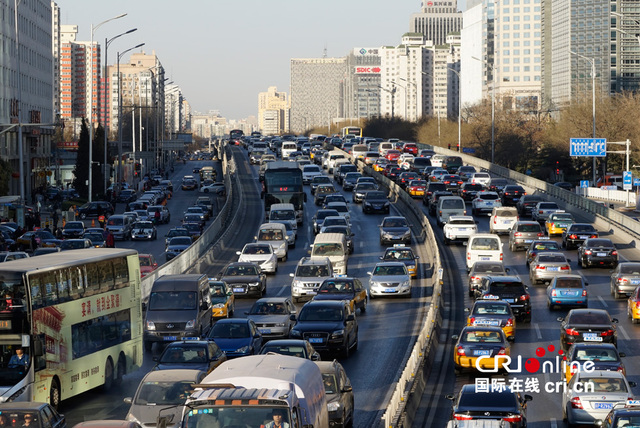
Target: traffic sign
<point>468,150</point>
<point>636,181</point>
<point>591,147</point>
<point>584,184</point>
<point>627,178</point>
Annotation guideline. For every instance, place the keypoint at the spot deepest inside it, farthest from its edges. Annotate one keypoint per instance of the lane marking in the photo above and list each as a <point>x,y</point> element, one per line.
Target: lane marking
<point>603,302</point>
<point>624,333</point>
<point>553,423</point>
<point>538,332</point>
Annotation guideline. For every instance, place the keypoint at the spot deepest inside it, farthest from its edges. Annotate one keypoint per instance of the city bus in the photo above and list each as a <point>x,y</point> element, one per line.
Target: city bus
<point>207,172</point>
<point>235,134</point>
<point>351,130</point>
<point>77,314</point>
<point>282,184</point>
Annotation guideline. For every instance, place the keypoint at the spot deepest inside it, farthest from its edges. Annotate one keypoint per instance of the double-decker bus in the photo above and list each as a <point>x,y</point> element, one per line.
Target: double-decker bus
<point>207,172</point>
<point>282,184</point>
<point>77,316</point>
<point>351,130</point>
<point>235,134</point>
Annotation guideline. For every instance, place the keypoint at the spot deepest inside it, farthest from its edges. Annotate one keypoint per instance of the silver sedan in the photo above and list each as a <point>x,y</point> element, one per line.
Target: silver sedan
<point>260,254</point>
<point>545,266</point>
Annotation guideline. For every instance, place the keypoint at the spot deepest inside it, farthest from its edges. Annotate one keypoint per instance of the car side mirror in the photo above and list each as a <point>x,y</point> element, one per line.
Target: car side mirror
<point>568,260</point>
<point>128,400</point>
<point>455,337</point>
<point>156,359</point>
<point>351,317</point>
<point>528,397</point>
<point>560,319</point>
<point>291,274</point>
<point>507,270</point>
<point>292,317</point>
<point>614,320</point>
<point>450,397</point>
<point>315,357</point>
<point>257,335</point>
<point>238,253</point>
<point>144,306</point>
<point>622,354</point>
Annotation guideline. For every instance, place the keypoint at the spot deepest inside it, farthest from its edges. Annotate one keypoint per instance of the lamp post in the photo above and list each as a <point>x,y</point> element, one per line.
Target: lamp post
<point>404,88</point>
<point>459,110</point>
<point>93,30</point>
<point>392,91</point>
<point>106,92</point>
<point>493,109</point>
<point>415,87</point>
<point>120,54</point>
<point>592,61</point>
<point>18,112</point>
<point>434,104</point>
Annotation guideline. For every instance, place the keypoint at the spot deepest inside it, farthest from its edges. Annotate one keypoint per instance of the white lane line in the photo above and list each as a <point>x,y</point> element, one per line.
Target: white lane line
<point>538,333</point>
<point>624,333</point>
<point>553,423</point>
<point>603,302</point>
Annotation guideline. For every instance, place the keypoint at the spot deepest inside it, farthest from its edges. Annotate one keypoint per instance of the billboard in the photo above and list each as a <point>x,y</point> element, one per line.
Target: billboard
<point>367,69</point>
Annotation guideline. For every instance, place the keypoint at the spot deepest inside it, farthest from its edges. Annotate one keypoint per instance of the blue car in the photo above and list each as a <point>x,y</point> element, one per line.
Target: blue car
<point>567,290</point>
<point>237,337</point>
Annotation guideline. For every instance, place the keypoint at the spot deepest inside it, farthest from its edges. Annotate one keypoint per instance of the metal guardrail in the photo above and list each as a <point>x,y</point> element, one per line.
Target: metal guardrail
<point>211,235</point>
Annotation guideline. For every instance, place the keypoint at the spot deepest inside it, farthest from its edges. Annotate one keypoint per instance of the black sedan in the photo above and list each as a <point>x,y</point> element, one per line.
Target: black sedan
<point>498,404</point>
<point>190,354</point>
<point>540,246</point>
<point>177,245</point>
<point>244,278</point>
<point>597,252</point>
<point>587,325</point>
<point>375,201</point>
<point>576,233</point>
<point>512,194</point>
<point>468,191</point>
<point>292,347</point>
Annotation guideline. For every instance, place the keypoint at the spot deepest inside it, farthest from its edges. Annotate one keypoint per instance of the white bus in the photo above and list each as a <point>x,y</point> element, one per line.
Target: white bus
<point>77,315</point>
<point>351,130</point>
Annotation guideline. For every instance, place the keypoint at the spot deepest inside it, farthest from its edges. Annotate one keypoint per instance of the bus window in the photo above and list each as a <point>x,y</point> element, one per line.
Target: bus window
<point>106,276</point>
<point>76,283</point>
<point>62,284</point>
<point>121,272</point>
<point>93,280</point>
<point>36,292</point>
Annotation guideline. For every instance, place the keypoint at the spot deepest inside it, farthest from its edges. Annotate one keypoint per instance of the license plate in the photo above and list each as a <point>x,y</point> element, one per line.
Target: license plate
<point>170,338</point>
<point>315,340</point>
<point>462,229</point>
<point>603,406</point>
<point>584,236</point>
<point>510,300</point>
<point>482,352</point>
<point>238,290</point>
<point>601,254</point>
<point>389,290</point>
<point>635,281</point>
<point>561,225</point>
<point>553,269</point>
<point>485,258</point>
<point>569,293</point>
<point>507,221</point>
<point>516,199</point>
<point>488,322</point>
<point>591,337</point>
<point>265,330</point>
<point>528,241</point>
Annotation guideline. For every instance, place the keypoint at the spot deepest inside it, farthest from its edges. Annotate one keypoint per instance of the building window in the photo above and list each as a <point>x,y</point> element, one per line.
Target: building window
<point>506,70</point>
<point>505,52</point>
<point>516,78</point>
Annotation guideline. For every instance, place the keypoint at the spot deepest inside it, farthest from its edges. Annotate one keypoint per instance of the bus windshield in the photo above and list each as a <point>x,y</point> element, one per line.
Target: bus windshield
<point>172,300</point>
<point>234,415</point>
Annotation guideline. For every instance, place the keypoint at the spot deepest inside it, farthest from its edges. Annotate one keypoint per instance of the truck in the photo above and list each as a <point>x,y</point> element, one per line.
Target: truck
<point>249,391</point>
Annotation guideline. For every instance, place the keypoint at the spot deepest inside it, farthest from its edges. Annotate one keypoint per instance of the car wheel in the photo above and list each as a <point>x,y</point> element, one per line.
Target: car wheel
<point>447,241</point>
<point>346,351</point>
<point>527,319</point>
<point>549,305</point>
<point>108,376</point>
<point>616,295</point>
<point>54,394</point>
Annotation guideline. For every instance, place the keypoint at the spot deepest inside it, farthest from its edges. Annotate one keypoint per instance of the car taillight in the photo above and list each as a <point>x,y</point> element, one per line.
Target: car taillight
<point>532,255</point>
<point>622,280</point>
<point>472,320</point>
<point>576,403</point>
<point>587,252</point>
<point>459,417</point>
<point>565,268</point>
<point>607,333</point>
<point>552,225</point>
<point>540,234</point>
<point>517,234</point>
<point>621,370</point>
<point>540,267</point>
<point>573,236</point>
<point>468,256</point>
<point>594,236</point>
<point>502,351</point>
<point>524,297</point>
<point>553,293</point>
<point>513,418</point>
<point>509,322</point>
<point>475,278</point>
<point>501,256</point>
<point>584,293</point>
<point>638,304</point>
<point>571,332</point>
<point>540,212</point>
<point>460,350</point>
<point>614,253</point>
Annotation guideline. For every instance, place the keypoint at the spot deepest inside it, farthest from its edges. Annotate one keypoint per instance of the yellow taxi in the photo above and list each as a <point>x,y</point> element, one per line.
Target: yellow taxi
<point>342,287</point>
<point>222,299</point>
<point>633,306</point>
<point>493,313</point>
<point>484,348</point>
<point>404,254</point>
<point>380,164</point>
<point>417,188</point>
<point>558,222</point>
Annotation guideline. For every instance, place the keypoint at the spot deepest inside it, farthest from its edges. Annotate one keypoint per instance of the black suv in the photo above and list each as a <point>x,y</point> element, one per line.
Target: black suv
<point>95,209</point>
<point>468,191</point>
<point>512,194</point>
<point>527,203</point>
<point>329,325</point>
<point>511,290</point>
<point>433,186</point>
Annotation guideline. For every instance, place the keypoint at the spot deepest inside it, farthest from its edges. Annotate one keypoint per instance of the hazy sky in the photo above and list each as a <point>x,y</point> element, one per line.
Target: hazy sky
<point>223,52</point>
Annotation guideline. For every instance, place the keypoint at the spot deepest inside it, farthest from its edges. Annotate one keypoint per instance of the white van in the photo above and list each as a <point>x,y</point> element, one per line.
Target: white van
<point>274,234</point>
<point>358,151</point>
<point>448,206</point>
<point>283,212</point>
<point>288,147</point>
<point>483,247</point>
<point>383,148</point>
<point>502,219</point>
<point>334,246</point>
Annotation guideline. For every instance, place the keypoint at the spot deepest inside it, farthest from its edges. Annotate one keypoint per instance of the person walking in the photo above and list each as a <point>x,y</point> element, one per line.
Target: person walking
<point>110,242</point>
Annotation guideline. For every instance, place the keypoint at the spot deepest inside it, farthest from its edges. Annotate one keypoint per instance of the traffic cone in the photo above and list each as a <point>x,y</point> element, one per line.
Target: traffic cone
<point>93,222</point>
<point>63,222</point>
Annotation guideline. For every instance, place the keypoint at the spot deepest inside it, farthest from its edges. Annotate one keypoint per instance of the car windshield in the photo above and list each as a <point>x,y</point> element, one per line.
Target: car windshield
<point>336,286</point>
<point>186,353</point>
<point>270,235</point>
<point>294,351</point>
<point>312,271</point>
<point>589,318</point>
<point>335,221</point>
<point>72,244</point>
<point>94,237</point>
<point>399,255</point>
<point>375,195</point>
<point>486,244</point>
<point>481,337</point>
<point>491,309</point>
<point>603,384</point>
<point>241,270</point>
<point>235,330</point>
<point>568,283</point>
<point>533,227</point>
<point>630,269</point>
<point>320,179</point>
<point>282,215</point>
<point>74,225</point>
<point>180,240</point>
<point>489,196</point>
<point>389,270</point>
<point>328,249</point>
<point>177,232</point>
<point>172,300</point>
<point>549,258</point>
<point>257,249</point>
<point>143,225</point>
<point>548,206</point>
<point>550,245</point>
<point>394,222</point>
<point>321,313</point>
<point>268,308</point>
<point>596,354</point>
<point>582,228</point>
<point>504,399</point>
<point>599,243</point>
<point>145,261</point>
<point>488,268</point>
<point>562,217</point>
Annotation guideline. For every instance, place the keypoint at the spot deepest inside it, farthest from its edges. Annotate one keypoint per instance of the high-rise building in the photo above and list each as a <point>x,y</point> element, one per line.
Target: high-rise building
<point>625,55</point>
<point>273,112</point>
<point>27,92</point>
<point>362,89</point>
<point>577,39</point>
<point>472,49</point>
<point>436,19</point>
<point>317,91</point>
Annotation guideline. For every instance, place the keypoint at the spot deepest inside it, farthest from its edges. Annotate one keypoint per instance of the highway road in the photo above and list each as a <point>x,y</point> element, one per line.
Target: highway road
<point>385,331</point>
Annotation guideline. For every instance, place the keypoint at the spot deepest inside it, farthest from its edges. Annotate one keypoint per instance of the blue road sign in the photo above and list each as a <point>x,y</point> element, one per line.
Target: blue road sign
<point>627,178</point>
<point>636,181</point>
<point>468,150</point>
<point>591,147</point>
<point>584,184</point>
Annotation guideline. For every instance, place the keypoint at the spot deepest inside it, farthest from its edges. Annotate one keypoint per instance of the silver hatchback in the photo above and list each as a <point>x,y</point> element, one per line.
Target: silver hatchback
<point>523,233</point>
<point>625,278</point>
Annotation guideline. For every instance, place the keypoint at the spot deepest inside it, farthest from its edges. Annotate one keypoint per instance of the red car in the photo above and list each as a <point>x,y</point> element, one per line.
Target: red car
<point>393,155</point>
<point>147,264</point>
<point>410,148</point>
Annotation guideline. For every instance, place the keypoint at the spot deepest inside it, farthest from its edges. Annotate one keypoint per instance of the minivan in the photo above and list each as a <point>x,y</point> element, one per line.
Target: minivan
<point>448,206</point>
<point>452,163</point>
<point>283,212</point>
<point>358,151</point>
<point>179,306</point>
<point>120,226</point>
<point>383,148</point>
<point>483,247</point>
<point>333,246</point>
<point>274,234</point>
<point>288,147</point>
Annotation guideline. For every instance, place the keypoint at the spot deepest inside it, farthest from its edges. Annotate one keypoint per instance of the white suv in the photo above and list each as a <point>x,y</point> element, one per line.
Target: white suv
<point>459,227</point>
<point>502,219</point>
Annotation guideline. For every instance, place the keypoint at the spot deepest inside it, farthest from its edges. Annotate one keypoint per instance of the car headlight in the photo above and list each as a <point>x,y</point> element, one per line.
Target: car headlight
<point>218,306</point>
<point>191,324</point>
<point>337,333</point>
<point>281,324</point>
<point>406,233</point>
<point>333,406</point>
<point>374,284</point>
<point>386,204</point>
<point>254,284</point>
<point>295,333</point>
<point>243,349</point>
<point>386,235</point>
<point>405,284</point>
<point>151,326</point>
<point>132,418</point>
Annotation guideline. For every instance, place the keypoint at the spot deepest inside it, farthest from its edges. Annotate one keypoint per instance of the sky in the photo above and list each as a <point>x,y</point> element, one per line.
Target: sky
<point>222,53</point>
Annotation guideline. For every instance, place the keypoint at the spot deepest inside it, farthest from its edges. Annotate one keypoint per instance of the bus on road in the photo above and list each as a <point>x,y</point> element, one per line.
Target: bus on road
<point>283,185</point>
<point>351,130</point>
<point>207,173</point>
<point>76,315</point>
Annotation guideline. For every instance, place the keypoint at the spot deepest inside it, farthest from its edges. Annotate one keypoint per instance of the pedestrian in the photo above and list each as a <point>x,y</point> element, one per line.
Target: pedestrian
<point>101,220</point>
<point>110,242</point>
<point>34,243</point>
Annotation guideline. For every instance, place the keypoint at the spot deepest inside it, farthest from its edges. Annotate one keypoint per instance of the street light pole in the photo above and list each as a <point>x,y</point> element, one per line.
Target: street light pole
<point>459,110</point>
<point>493,109</point>
<point>404,88</point>
<point>392,91</point>
<point>592,61</point>
<point>107,111</point>
<point>120,113</point>
<point>93,30</point>
<point>415,87</point>
<point>437,109</point>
